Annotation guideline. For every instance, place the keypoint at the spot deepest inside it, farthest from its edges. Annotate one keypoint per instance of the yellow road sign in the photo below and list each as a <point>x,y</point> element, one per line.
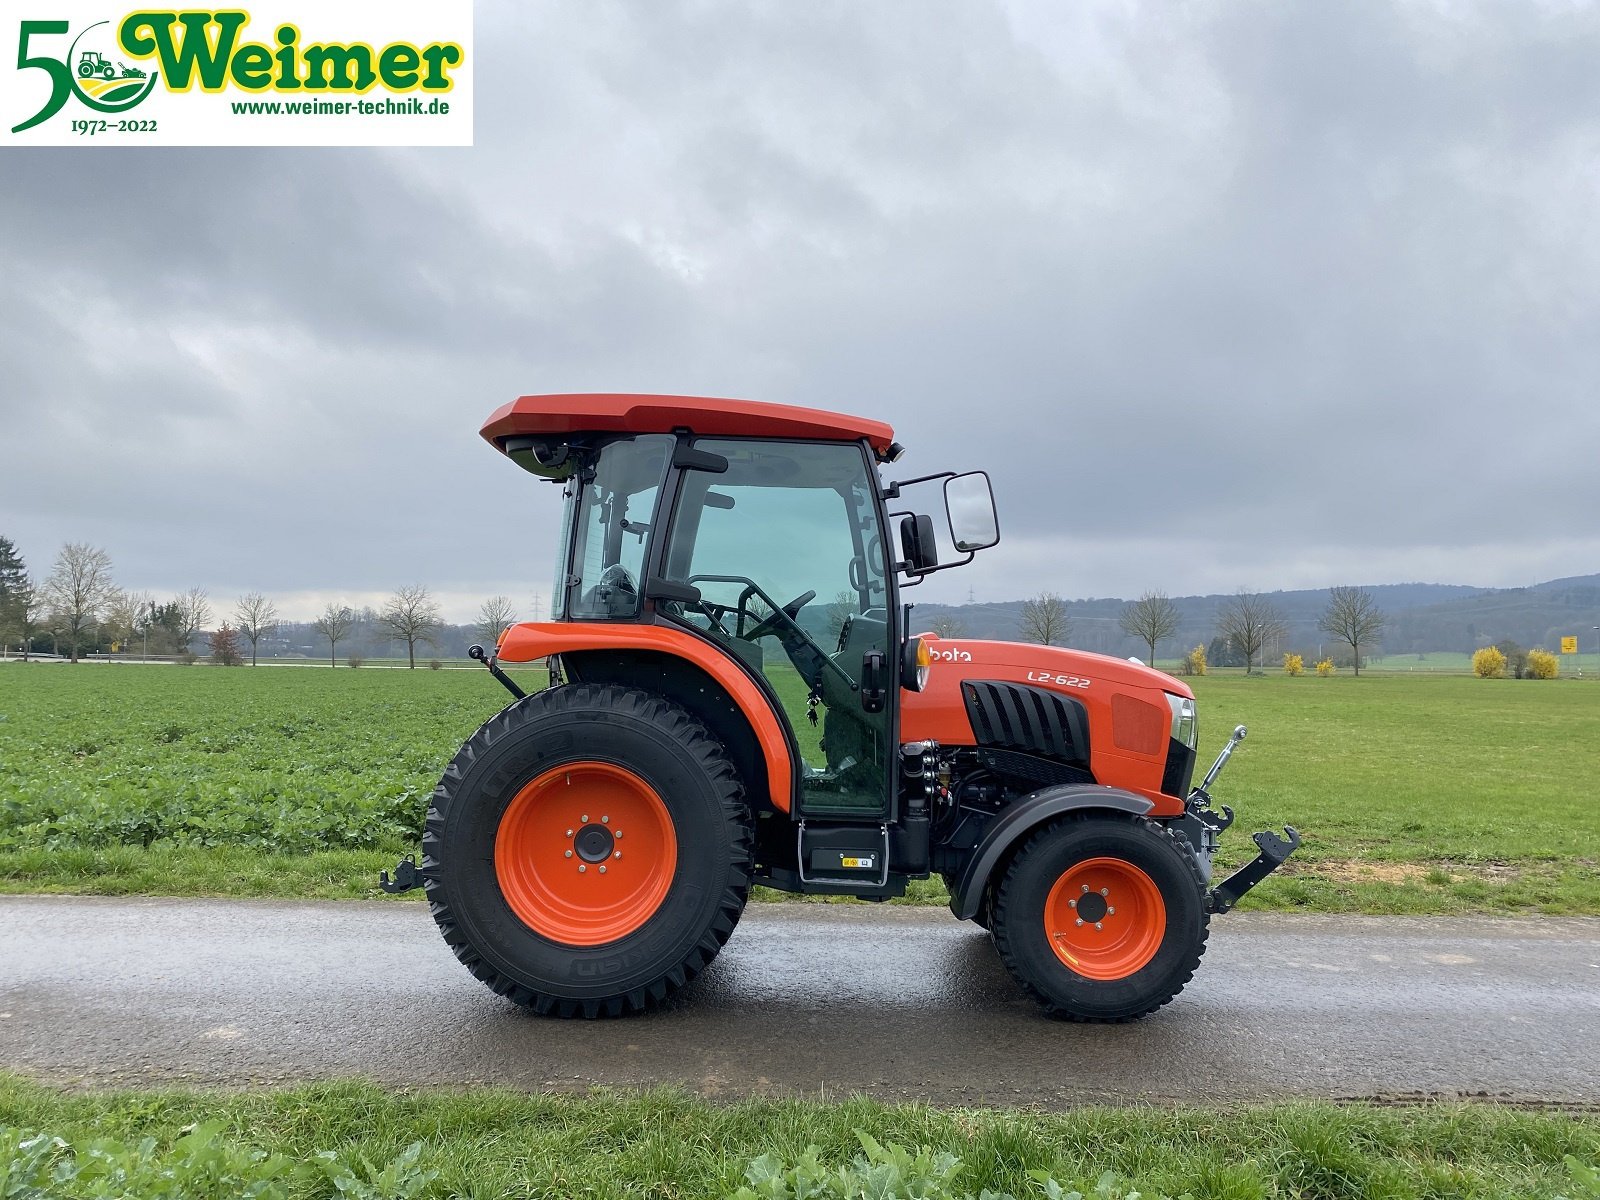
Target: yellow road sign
<point>1569,645</point>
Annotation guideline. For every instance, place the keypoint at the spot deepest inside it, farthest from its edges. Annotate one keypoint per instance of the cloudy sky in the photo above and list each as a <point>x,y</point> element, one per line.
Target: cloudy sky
<point>1268,294</point>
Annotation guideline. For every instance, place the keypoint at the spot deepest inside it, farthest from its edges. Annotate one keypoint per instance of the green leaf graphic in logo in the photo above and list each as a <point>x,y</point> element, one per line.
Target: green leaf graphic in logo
<point>104,84</point>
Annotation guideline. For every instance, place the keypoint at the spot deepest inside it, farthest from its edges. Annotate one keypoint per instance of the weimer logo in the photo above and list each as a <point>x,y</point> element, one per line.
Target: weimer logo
<point>272,71</point>
<point>88,72</point>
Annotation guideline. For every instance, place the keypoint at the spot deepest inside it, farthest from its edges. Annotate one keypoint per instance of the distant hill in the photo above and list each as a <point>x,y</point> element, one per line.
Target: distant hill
<point>1422,617</point>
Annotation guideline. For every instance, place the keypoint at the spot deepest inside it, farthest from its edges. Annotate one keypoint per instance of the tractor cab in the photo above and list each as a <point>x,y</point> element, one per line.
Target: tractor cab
<point>772,547</point>
<point>736,698</point>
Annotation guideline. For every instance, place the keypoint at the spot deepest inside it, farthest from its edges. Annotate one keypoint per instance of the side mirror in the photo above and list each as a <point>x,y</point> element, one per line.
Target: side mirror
<point>917,544</point>
<point>970,502</point>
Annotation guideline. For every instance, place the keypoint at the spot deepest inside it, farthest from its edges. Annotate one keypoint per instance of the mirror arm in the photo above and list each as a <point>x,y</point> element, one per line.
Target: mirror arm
<point>892,492</point>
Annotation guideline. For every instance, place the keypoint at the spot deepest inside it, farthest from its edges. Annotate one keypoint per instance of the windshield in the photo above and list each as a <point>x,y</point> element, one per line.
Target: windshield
<point>615,497</point>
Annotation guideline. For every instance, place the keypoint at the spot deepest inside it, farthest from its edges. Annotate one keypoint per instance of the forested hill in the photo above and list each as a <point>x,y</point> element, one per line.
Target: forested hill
<point>1422,617</point>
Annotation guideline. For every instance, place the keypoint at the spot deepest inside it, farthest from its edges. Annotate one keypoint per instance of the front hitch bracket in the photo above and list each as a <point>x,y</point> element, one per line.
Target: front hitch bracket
<point>407,875</point>
<point>1275,851</point>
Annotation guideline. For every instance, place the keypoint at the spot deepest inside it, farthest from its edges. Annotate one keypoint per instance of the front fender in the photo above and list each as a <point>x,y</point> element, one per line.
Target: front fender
<point>1021,819</point>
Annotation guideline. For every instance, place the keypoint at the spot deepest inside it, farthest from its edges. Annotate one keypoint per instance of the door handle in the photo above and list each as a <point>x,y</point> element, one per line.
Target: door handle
<point>874,667</point>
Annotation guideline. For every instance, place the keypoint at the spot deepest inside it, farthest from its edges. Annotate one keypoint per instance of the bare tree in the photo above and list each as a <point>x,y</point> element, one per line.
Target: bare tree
<point>123,613</point>
<point>334,624</point>
<point>1150,618</point>
<point>1250,621</point>
<point>949,626</point>
<point>78,590</point>
<point>412,616</point>
<point>494,614</point>
<point>1044,619</point>
<point>257,616</point>
<point>193,613</point>
<point>1353,617</point>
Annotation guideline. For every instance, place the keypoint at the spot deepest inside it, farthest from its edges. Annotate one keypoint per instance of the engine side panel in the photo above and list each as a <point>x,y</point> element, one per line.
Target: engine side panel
<point>1124,756</point>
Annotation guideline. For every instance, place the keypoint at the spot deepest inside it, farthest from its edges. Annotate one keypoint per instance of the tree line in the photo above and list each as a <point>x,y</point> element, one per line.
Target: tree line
<point>78,607</point>
<point>1247,624</point>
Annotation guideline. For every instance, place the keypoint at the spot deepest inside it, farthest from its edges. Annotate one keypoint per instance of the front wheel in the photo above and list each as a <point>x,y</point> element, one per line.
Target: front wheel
<point>588,850</point>
<point>1101,918</point>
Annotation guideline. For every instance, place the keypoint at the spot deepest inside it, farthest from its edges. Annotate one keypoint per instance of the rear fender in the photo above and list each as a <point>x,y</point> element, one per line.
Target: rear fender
<point>533,640</point>
<point>1020,820</point>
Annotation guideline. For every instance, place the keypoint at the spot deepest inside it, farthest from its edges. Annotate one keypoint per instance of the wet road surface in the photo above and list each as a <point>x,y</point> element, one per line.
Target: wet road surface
<point>897,1003</point>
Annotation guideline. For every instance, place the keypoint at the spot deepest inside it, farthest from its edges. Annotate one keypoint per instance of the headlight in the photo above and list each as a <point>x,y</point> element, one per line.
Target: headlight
<point>916,659</point>
<point>1185,727</point>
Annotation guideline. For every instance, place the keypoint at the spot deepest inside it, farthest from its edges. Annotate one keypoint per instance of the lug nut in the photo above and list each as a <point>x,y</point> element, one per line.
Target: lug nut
<point>1111,912</point>
<point>616,854</point>
<point>618,833</point>
<point>1097,925</point>
<point>569,833</point>
<point>569,853</point>
<point>585,818</point>
<point>1072,904</point>
<point>582,868</point>
<point>1086,889</point>
<point>605,820</point>
<point>1080,920</point>
<point>1105,891</point>
<point>602,870</point>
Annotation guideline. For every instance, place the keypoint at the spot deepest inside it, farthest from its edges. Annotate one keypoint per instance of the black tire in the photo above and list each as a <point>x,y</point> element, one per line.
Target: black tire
<point>1018,918</point>
<point>702,792</point>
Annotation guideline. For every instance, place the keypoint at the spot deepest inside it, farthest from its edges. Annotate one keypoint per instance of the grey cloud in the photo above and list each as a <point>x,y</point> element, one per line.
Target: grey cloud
<point>1217,295</point>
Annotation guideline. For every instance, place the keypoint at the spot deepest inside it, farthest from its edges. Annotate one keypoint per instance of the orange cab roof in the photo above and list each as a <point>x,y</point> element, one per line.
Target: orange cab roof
<point>708,416</point>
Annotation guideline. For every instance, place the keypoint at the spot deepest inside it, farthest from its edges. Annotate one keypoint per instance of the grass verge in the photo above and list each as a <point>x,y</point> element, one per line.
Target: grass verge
<point>663,1144</point>
<point>1442,889</point>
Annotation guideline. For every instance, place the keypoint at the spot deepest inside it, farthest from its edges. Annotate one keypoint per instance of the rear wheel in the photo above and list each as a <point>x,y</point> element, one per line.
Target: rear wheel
<point>1101,918</point>
<point>588,850</point>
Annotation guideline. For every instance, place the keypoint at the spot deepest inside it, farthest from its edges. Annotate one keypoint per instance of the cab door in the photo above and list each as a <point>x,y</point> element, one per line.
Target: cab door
<point>785,549</point>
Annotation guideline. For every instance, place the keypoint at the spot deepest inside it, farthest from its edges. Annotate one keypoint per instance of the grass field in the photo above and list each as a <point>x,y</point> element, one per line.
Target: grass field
<point>1415,793</point>
<point>662,1144</point>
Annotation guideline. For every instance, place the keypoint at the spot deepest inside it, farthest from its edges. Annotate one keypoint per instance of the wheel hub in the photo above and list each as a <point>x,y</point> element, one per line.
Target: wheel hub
<point>1092,907</point>
<point>1105,918</point>
<point>558,853</point>
<point>594,843</point>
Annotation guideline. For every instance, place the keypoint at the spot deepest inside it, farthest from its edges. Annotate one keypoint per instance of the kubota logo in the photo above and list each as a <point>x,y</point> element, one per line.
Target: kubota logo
<point>954,654</point>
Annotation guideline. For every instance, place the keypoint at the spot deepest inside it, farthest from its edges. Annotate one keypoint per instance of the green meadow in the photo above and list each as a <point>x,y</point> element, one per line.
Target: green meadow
<point>1416,793</point>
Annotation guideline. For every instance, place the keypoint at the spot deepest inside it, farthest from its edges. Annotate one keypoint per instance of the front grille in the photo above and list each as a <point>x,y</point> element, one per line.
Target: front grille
<point>1009,716</point>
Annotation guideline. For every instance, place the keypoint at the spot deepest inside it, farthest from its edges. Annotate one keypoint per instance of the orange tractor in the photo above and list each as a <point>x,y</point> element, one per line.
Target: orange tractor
<point>736,698</point>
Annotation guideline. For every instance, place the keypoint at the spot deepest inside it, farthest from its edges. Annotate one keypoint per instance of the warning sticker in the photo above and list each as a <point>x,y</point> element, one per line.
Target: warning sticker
<point>864,861</point>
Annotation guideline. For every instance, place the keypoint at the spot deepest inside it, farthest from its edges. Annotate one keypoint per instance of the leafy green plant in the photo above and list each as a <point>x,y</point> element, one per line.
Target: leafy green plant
<point>892,1172</point>
<point>1585,1180</point>
<point>200,1164</point>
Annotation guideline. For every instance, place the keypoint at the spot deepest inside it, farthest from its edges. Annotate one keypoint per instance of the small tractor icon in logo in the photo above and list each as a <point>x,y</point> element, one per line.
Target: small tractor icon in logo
<point>94,63</point>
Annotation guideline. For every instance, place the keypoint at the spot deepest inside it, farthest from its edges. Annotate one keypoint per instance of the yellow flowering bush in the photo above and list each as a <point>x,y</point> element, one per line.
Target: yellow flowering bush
<point>1325,667</point>
<point>1293,664</point>
<point>1489,663</point>
<point>1543,665</point>
<point>1194,662</point>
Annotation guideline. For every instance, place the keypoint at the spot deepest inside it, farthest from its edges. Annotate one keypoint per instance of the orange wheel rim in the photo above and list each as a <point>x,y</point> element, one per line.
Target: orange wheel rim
<point>1105,918</point>
<point>585,853</point>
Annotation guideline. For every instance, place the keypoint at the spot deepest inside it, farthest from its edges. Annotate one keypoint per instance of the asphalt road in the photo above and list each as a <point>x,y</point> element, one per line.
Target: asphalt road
<point>898,1003</point>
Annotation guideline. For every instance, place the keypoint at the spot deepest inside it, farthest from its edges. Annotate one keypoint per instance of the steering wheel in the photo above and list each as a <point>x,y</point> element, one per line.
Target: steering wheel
<point>770,623</point>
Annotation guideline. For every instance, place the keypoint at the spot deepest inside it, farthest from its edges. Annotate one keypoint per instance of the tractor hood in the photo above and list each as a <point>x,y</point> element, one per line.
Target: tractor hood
<point>972,657</point>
